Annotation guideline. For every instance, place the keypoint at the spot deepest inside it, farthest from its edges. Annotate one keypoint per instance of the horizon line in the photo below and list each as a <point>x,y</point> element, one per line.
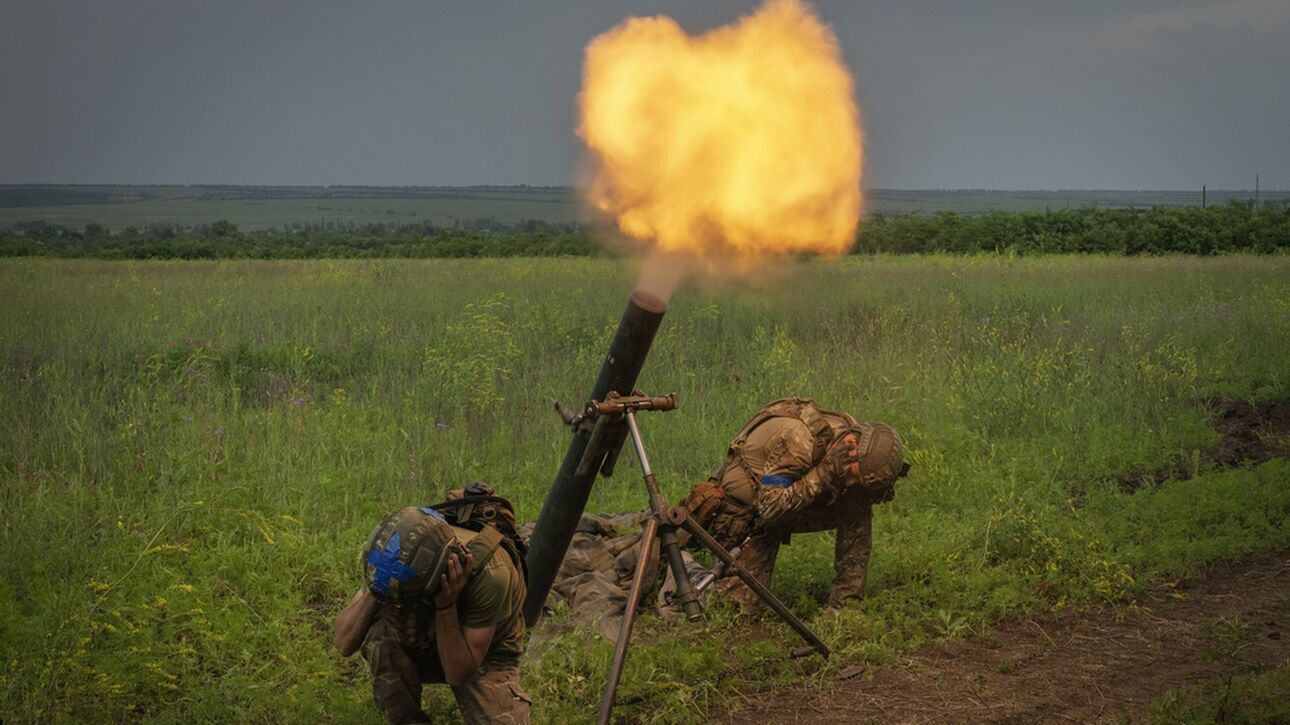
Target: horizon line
<point>573,187</point>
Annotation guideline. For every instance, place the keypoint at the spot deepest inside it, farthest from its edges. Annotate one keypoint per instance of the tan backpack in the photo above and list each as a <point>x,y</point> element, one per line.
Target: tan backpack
<point>477,508</point>
<point>729,515</point>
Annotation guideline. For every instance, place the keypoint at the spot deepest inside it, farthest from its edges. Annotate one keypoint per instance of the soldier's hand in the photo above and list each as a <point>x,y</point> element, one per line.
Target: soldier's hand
<point>842,461</point>
<point>453,581</point>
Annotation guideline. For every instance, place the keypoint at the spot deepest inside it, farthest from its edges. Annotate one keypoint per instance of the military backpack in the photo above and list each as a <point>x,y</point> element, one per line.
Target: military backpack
<point>478,508</point>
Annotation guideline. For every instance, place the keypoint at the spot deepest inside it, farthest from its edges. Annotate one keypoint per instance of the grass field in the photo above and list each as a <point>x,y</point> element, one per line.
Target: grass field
<point>262,207</point>
<point>193,453</point>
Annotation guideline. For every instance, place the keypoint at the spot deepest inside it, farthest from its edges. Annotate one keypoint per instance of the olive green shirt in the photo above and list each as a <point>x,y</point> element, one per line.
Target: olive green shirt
<point>494,596</point>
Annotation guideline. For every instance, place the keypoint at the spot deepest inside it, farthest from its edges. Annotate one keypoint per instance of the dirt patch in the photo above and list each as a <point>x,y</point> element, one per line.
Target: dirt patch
<point>1256,432</point>
<point>1073,666</point>
<point>1251,432</point>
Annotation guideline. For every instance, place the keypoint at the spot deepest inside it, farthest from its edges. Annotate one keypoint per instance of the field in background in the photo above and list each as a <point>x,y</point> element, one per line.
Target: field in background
<point>254,207</point>
<point>194,452</point>
<point>261,207</point>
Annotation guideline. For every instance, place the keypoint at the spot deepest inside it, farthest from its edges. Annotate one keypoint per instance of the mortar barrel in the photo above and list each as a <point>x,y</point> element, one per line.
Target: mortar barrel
<point>567,498</point>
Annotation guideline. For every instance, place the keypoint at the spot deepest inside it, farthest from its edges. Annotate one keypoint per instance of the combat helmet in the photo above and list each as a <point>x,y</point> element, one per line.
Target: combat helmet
<point>879,449</point>
<point>881,453</point>
<point>407,554</point>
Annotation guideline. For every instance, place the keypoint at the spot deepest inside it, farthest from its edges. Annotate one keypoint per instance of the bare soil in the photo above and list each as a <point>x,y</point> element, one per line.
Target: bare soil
<point>1074,666</point>
<point>1251,432</point>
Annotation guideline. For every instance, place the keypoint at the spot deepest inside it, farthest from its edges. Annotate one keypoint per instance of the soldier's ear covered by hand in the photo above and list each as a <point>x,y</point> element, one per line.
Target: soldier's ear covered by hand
<point>454,580</point>
<point>852,442</point>
<point>841,462</point>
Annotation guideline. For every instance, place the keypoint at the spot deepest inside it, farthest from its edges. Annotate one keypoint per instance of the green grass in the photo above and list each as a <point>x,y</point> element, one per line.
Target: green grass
<point>192,454</point>
<point>1248,692</point>
<point>1251,698</point>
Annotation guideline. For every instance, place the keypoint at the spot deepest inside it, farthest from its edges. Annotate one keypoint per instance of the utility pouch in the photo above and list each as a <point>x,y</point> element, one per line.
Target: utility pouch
<point>705,502</point>
<point>719,512</point>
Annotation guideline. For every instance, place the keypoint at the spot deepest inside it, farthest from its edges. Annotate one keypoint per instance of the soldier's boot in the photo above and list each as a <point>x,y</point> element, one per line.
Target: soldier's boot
<point>758,557</point>
<point>851,555</point>
<point>396,683</point>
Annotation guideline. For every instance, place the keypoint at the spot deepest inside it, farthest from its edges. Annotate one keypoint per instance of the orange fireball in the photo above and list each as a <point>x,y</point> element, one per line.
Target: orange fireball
<point>745,139</point>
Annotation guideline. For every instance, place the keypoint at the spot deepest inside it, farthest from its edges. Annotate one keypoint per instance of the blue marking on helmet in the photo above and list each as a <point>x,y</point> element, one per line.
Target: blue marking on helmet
<point>387,565</point>
<point>778,481</point>
<point>434,514</point>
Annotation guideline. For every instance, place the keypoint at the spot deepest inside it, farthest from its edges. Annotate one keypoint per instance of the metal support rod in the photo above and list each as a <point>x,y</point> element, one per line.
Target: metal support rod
<point>719,551</point>
<point>685,593</point>
<point>718,571</point>
<point>665,531</point>
<point>643,563</point>
<point>641,455</point>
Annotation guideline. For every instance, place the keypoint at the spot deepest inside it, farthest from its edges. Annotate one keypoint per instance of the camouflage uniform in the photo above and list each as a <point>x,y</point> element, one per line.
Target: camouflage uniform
<point>791,475</point>
<point>493,695</point>
<point>850,514</point>
<point>400,649</point>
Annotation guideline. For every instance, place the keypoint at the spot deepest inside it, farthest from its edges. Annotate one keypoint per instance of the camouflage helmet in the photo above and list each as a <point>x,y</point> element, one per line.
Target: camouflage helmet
<point>882,455</point>
<point>407,554</point>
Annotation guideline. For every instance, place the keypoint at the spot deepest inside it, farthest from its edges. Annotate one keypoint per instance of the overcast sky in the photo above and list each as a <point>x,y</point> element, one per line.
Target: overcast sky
<point>1002,94</point>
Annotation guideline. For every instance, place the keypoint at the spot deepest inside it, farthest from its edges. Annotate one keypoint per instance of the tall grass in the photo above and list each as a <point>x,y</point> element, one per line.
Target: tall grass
<point>192,453</point>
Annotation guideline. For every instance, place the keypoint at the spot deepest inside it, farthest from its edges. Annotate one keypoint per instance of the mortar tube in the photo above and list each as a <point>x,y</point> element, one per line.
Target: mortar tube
<point>567,498</point>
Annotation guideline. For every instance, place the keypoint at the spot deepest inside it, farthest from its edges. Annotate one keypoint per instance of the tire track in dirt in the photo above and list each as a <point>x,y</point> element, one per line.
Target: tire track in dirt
<point>1087,666</point>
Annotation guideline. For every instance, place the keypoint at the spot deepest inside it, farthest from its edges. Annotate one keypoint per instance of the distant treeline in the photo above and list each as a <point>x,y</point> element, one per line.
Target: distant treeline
<point>1233,227</point>
<point>223,240</point>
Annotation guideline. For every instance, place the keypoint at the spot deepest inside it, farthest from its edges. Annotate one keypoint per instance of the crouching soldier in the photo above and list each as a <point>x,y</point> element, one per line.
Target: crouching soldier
<point>794,468</point>
<point>441,602</point>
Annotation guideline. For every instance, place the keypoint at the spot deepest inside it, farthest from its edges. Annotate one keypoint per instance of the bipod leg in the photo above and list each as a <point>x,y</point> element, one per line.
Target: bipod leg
<point>643,563</point>
<point>685,594</point>
<point>677,516</point>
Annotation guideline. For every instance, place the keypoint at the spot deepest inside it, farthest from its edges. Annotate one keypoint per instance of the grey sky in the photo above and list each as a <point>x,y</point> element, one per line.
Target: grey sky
<point>984,94</point>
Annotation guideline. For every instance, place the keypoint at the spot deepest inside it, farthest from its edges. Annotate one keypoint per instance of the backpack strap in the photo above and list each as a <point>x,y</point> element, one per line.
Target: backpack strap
<point>480,544</point>
<point>485,542</point>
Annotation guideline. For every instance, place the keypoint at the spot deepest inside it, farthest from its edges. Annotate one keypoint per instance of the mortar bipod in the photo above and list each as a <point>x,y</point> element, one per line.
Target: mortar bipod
<point>662,524</point>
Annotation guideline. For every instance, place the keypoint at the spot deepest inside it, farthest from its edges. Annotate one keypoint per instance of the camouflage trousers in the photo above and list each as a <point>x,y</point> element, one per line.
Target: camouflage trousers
<point>493,695</point>
<point>851,515</point>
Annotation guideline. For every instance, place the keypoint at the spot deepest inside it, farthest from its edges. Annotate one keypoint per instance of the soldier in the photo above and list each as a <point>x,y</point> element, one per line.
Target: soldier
<point>442,603</point>
<point>794,468</point>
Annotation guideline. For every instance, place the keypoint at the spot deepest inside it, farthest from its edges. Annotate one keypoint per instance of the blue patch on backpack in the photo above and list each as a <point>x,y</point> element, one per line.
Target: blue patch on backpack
<point>779,481</point>
<point>387,565</point>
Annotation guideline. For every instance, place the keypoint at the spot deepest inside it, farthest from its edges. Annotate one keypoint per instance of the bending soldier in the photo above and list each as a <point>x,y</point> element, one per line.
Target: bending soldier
<point>442,603</point>
<point>794,468</point>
